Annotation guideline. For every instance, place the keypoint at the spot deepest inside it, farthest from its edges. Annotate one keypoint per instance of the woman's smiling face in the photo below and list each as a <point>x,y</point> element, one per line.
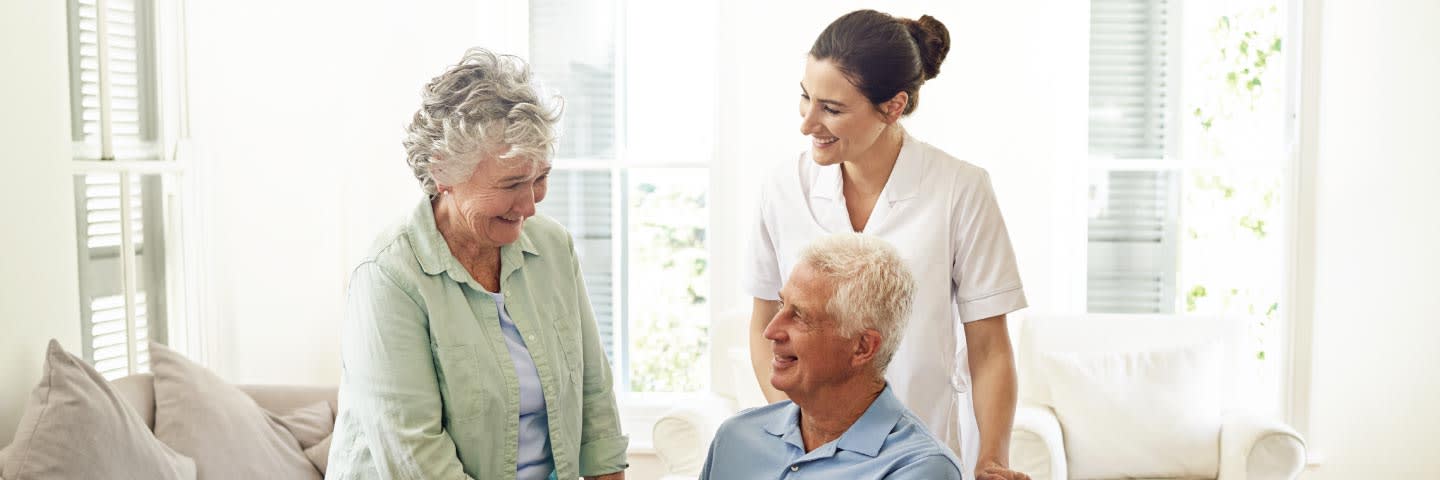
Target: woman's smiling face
<point>499,196</point>
<point>839,120</point>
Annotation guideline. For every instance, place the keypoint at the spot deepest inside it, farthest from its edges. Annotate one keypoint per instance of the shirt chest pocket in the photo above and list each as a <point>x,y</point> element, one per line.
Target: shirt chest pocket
<point>570,341</point>
<point>468,392</point>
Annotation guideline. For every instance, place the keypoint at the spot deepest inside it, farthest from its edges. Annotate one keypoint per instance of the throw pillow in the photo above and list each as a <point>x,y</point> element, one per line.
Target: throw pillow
<point>227,434</point>
<point>319,454</point>
<point>1139,414</point>
<point>312,426</point>
<point>76,426</point>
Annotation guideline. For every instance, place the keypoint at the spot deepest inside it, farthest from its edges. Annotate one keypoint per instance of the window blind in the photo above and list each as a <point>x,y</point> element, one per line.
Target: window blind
<point>1132,228</point>
<point>584,73</point>
<point>580,200</point>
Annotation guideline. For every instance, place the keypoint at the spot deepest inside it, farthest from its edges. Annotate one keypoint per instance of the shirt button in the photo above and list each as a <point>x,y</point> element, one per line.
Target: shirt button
<point>794,468</point>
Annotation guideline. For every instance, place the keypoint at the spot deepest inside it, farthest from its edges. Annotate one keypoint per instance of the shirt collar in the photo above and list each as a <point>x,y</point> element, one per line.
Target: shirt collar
<point>435,256</point>
<point>904,182</point>
<point>868,433</point>
<point>865,436</point>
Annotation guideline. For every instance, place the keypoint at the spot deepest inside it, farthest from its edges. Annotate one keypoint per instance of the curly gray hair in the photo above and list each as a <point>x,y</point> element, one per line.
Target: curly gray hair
<point>873,287</point>
<point>481,105</point>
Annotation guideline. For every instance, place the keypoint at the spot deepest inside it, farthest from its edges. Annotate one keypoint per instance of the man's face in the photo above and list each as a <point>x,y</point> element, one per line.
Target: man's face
<point>808,351</point>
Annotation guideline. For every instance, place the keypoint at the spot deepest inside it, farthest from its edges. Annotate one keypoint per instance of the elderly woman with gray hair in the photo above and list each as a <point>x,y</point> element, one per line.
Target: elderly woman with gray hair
<point>469,346</point>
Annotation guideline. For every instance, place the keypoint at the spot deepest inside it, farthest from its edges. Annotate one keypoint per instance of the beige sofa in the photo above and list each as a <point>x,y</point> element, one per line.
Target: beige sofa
<point>139,391</point>
<point>181,422</point>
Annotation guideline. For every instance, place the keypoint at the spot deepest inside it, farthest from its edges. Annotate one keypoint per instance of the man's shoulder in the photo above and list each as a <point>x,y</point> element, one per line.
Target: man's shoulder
<point>912,440</point>
<point>755,417</point>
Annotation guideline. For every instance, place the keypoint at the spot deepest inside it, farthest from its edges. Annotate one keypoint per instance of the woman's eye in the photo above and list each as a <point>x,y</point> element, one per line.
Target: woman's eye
<point>831,111</point>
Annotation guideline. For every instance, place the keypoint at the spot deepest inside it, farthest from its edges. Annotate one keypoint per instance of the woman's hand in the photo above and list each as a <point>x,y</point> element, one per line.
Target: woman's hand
<point>992,470</point>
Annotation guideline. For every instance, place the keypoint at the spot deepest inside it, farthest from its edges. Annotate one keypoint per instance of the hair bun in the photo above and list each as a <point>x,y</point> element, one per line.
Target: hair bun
<point>934,41</point>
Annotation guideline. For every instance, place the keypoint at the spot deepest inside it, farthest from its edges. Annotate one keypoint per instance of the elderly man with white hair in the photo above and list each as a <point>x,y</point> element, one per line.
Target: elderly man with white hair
<point>841,316</point>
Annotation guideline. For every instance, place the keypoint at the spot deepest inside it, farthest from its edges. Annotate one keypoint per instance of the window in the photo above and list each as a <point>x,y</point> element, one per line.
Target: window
<point>125,187</point>
<point>637,209</point>
<point>1190,133</point>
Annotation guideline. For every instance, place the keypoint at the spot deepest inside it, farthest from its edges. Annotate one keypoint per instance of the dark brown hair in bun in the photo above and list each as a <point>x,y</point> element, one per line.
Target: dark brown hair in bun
<point>934,41</point>
<point>883,55</point>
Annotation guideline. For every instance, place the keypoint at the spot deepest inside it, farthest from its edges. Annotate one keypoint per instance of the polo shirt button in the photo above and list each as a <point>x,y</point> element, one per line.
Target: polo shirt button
<point>794,468</point>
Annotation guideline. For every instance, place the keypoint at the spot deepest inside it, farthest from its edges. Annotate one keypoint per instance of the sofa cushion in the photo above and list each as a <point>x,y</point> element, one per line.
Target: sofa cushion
<point>227,434</point>
<point>76,426</point>
<point>319,454</point>
<point>312,427</point>
<point>138,390</point>
<point>1139,414</point>
<point>310,424</point>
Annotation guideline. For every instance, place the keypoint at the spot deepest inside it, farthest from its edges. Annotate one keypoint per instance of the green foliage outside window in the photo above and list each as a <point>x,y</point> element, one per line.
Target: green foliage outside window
<point>668,269</point>
<point>1231,255</point>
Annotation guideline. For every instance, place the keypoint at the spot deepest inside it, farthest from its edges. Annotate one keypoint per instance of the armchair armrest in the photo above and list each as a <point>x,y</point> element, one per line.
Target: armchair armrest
<point>1037,446</point>
<point>682,435</point>
<point>1257,448</point>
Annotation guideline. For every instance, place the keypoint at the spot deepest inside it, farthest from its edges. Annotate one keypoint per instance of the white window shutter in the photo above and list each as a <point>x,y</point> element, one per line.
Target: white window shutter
<point>133,135</point>
<point>1132,231</point>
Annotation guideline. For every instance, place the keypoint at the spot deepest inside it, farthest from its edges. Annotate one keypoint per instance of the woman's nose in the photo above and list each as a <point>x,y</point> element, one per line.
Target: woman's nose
<point>526,203</point>
<point>808,124</point>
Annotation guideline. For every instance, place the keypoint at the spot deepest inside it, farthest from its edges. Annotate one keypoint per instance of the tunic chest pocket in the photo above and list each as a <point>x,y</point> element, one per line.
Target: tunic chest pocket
<point>462,383</point>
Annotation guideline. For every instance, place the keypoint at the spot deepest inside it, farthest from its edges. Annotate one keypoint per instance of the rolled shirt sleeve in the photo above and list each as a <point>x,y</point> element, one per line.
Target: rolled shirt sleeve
<point>389,387</point>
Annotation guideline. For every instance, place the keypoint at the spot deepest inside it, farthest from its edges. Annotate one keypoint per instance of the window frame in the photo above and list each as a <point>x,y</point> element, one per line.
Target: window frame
<point>168,176</point>
<point>639,410</point>
<point>1292,338</point>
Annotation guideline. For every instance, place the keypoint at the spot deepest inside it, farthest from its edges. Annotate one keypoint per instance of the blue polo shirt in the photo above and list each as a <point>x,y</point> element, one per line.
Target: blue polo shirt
<point>887,442</point>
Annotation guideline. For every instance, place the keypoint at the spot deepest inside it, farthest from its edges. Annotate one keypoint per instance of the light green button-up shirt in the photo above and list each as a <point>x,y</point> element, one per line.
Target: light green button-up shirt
<point>428,390</point>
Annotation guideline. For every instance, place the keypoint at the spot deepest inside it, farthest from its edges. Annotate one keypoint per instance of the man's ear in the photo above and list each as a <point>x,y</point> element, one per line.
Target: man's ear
<point>867,346</point>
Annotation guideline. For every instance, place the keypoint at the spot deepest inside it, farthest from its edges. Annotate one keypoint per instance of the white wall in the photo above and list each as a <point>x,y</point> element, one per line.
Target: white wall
<point>298,111</point>
<point>39,291</point>
<point>1375,237</point>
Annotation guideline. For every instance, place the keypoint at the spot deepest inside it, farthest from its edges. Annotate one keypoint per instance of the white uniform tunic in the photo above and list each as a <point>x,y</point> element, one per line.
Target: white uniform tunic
<point>940,213</point>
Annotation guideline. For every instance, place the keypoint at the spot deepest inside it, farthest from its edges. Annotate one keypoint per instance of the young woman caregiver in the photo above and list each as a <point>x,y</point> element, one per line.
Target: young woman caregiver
<point>863,172</point>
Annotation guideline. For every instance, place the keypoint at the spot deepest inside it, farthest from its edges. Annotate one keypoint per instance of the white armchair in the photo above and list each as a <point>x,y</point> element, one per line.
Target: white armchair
<point>682,435</point>
<point>1119,358</point>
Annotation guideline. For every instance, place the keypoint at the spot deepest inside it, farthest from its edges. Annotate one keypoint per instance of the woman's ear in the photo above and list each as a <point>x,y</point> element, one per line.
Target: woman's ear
<point>895,106</point>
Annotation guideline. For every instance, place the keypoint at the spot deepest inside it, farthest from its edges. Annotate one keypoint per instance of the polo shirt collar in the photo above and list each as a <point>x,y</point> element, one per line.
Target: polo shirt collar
<point>866,436</point>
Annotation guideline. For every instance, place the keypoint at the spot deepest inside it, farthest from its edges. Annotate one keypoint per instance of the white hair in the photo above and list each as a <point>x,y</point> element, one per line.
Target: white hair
<point>873,287</point>
<point>483,104</point>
